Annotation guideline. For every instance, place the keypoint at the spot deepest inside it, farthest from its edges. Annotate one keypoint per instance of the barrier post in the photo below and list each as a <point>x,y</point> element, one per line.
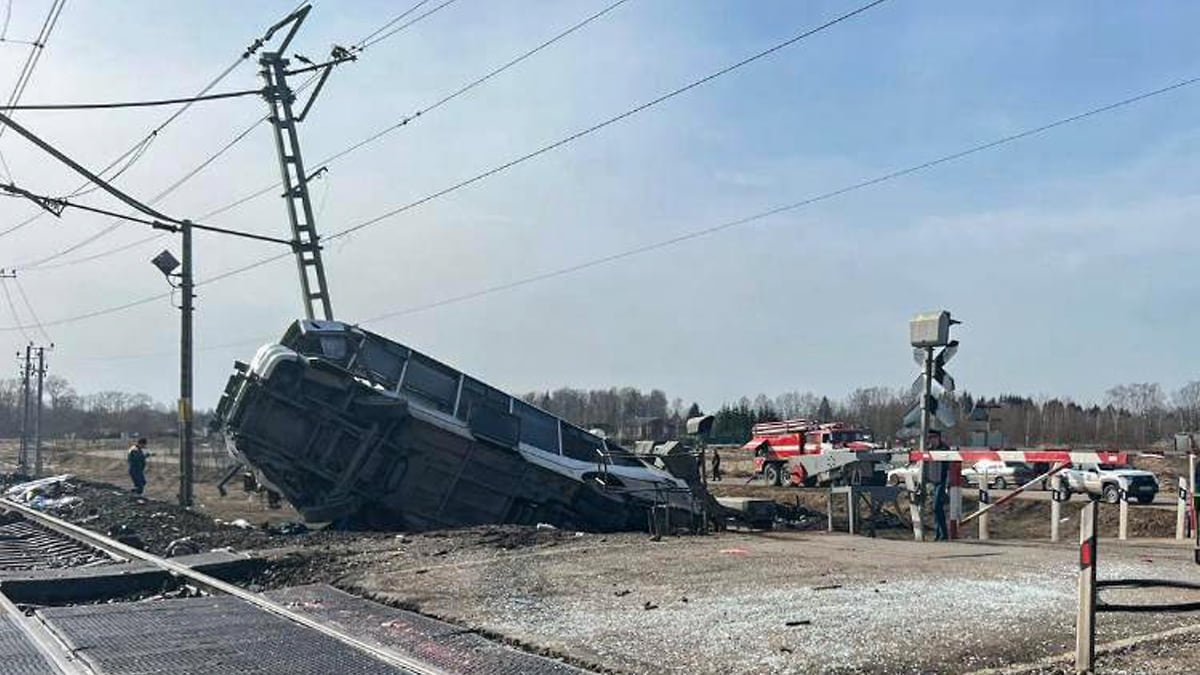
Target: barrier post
<point>851,506</point>
<point>1055,518</point>
<point>984,533</point>
<point>1085,623</point>
<point>1181,509</point>
<point>955,487</point>
<point>1123,525</point>
<point>914,504</point>
<point>829,509</point>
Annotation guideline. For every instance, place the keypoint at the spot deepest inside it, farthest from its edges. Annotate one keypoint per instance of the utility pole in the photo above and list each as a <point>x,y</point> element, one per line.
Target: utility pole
<point>37,423</point>
<point>280,98</point>
<point>23,458</point>
<point>186,431</point>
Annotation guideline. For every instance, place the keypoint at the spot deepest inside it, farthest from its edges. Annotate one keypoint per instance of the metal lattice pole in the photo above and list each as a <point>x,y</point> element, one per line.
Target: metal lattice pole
<point>280,97</point>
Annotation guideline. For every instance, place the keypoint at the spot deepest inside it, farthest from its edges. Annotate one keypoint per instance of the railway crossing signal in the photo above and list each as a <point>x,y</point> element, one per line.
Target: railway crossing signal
<point>927,333</point>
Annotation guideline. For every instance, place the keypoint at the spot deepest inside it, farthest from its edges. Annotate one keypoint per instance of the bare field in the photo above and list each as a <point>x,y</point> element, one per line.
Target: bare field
<point>104,462</point>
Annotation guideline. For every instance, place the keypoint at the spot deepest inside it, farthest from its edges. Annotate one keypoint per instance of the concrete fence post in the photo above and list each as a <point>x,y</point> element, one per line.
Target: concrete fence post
<point>829,509</point>
<point>1085,623</point>
<point>1123,524</point>
<point>1055,518</point>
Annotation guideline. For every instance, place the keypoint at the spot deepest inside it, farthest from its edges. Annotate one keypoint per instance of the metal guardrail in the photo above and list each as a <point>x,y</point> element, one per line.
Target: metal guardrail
<point>214,585</point>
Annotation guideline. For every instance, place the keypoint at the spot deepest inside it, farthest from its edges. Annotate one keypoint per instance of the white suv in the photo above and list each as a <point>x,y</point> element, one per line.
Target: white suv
<point>1108,480</point>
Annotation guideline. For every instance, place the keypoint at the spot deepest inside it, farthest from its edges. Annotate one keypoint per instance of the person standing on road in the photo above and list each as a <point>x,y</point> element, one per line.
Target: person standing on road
<point>136,458</point>
<point>933,441</point>
<point>716,466</point>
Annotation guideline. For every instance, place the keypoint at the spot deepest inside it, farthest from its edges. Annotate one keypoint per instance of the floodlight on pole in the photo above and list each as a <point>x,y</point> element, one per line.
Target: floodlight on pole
<point>166,263</point>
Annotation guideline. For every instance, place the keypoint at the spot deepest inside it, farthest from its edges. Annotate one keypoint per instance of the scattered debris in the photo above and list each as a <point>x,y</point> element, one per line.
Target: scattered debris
<point>182,546</point>
<point>55,494</point>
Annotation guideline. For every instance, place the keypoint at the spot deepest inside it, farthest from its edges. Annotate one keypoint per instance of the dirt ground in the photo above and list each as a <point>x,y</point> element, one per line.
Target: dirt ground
<point>787,601</point>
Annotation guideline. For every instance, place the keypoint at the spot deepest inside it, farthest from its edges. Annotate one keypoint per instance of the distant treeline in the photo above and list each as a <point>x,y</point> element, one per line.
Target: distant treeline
<point>99,415</point>
<point>1131,415</point>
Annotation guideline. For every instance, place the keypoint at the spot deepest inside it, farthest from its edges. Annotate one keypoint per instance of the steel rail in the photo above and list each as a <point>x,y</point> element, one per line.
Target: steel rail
<point>214,585</point>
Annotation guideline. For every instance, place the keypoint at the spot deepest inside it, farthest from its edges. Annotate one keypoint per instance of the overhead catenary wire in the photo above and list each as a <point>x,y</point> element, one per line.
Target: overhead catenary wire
<point>853,187</point>
<point>149,138</point>
<point>163,223</point>
<point>42,263</point>
<point>134,104</point>
<point>7,19</point>
<point>36,48</point>
<point>587,131</point>
<point>12,308</point>
<point>29,307</point>
<point>399,17</point>
<point>376,38</point>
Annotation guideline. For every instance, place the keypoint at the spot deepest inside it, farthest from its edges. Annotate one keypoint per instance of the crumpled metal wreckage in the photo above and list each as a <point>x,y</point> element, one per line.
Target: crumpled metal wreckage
<point>358,430</point>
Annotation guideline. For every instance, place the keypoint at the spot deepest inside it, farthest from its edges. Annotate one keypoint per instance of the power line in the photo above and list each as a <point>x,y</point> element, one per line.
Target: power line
<point>12,307</point>
<point>35,54</point>
<point>404,121</point>
<point>163,223</point>
<point>135,104</point>
<point>41,263</point>
<point>370,42</point>
<point>7,19</point>
<point>1005,140</point>
<point>389,24</point>
<point>695,234</point>
<point>853,187</point>
<point>29,305</point>
<point>143,145</point>
<point>610,121</point>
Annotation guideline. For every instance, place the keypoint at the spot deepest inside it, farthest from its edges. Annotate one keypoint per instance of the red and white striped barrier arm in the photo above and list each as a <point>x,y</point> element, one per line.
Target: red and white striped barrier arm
<point>1027,456</point>
<point>1057,467</point>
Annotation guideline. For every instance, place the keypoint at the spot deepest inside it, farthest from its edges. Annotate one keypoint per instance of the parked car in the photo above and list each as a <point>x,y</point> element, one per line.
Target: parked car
<point>1108,480</point>
<point>897,474</point>
<point>998,474</point>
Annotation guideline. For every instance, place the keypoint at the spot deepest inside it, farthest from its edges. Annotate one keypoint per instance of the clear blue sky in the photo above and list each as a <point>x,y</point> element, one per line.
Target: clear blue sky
<point>1070,256</point>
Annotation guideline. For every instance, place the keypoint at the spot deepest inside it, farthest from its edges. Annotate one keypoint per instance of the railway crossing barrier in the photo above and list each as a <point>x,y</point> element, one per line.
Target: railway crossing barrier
<point>1085,624</point>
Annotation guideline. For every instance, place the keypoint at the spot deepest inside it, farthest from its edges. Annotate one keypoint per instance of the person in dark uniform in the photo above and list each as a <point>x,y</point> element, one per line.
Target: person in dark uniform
<point>716,466</point>
<point>933,441</point>
<point>136,458</point>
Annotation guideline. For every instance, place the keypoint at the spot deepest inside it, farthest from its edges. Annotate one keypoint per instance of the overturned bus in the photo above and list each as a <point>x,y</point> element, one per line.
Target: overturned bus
<point>358,430</point>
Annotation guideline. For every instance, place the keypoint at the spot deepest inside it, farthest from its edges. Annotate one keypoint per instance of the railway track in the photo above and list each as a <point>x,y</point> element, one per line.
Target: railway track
<point>225,629</point>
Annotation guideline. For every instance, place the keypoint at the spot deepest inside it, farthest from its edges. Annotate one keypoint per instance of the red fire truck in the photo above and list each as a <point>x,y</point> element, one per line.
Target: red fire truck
<point>790,449</point>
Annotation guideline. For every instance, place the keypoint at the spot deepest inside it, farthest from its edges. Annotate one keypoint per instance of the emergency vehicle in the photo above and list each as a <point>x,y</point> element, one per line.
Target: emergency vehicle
<point>788,450</point>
